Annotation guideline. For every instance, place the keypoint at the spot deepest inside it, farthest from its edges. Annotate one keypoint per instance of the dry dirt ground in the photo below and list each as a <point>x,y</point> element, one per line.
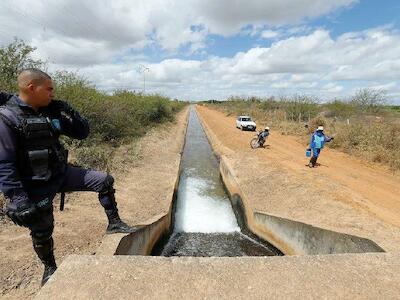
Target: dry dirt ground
<point>141,190</point>
<point>343,194</point>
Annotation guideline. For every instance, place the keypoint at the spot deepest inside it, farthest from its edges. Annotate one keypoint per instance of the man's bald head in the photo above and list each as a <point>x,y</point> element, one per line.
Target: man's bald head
<point>31,76</point>
<point>35,88</point>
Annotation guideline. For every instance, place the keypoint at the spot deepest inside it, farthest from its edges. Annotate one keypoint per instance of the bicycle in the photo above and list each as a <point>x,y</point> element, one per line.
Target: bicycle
<point>257,142</point>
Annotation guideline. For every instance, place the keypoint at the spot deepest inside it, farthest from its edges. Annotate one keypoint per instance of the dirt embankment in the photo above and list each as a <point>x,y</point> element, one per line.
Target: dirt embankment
<point>142,190</point>
<point>343,194</point>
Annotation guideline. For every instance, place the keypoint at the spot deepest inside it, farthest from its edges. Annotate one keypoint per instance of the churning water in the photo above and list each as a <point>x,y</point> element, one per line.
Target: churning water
<point>205,224</point>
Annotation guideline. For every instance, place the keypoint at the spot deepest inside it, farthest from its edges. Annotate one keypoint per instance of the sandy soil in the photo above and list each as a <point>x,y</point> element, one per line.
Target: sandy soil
<point>343,194</point>
<point>141,191</point>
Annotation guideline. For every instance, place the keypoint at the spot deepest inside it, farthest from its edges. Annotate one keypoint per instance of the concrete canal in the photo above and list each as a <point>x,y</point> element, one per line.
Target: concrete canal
<point>204,221</point>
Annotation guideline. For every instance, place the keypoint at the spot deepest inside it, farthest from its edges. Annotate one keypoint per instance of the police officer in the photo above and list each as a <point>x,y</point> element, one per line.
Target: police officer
<point>33,163</point>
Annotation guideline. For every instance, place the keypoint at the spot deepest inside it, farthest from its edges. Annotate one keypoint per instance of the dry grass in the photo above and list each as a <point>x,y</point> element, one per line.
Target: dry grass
<point>373,137</point>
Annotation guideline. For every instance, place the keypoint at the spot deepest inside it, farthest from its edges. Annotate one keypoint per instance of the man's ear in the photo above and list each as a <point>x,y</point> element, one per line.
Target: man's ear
<point>31,87</point>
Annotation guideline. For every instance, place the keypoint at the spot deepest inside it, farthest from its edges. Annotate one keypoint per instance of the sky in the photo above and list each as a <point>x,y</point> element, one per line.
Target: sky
<point>214,49</point>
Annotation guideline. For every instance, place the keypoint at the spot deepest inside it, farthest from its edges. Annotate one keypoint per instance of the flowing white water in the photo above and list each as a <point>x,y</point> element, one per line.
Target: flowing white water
<point>202,204</point>
<point>198,212</point>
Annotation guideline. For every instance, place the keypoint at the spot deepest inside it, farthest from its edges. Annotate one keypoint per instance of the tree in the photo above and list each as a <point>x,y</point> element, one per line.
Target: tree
<point>368,99</point>
<point>14,58</point>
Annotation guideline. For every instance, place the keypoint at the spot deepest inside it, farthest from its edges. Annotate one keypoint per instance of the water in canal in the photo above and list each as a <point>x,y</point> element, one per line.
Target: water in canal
<point>205,224</point>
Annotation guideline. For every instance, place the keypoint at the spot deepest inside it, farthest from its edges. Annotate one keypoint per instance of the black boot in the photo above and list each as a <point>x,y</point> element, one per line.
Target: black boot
<point>107,200</point>
<point>312,162</point>
<point>45,252</point>
<point>48,271</point>
<point>116,225</point>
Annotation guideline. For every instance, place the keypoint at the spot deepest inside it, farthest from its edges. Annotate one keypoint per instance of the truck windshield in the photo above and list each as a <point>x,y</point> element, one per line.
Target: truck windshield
<point>246,119</point>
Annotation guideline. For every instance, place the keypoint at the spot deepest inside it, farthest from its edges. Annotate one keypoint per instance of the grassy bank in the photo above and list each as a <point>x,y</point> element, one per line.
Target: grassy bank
<point>367,130</point>
<point>115,119</point>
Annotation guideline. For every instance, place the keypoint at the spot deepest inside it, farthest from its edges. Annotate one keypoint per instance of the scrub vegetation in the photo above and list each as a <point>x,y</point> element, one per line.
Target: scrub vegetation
<point>115,119</point>
<point>362,125</point>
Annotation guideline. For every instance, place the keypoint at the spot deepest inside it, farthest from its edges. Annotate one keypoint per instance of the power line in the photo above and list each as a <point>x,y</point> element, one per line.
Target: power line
<point>79,21</point>
<point>142,69</point>
<point>26,15</point>
<point>105,28</point>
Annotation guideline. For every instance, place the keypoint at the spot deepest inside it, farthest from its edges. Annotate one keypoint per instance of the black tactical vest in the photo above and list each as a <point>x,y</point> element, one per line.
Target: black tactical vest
<point>40,154</point>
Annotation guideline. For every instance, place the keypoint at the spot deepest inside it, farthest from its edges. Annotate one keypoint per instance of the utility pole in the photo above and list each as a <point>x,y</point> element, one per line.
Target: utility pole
<point>143,69</point>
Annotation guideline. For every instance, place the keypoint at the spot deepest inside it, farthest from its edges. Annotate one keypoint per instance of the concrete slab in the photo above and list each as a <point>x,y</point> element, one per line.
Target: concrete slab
<point>348,276</point>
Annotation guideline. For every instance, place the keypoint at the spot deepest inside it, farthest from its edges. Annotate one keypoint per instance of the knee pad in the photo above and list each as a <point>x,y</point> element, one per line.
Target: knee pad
<point>107,194</point>
<point>108,185</point>
<point>45,251</point>
<point>41,236</point>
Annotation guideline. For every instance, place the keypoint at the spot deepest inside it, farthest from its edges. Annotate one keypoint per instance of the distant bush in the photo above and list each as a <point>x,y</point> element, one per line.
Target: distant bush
<point>395,108</point>
<point>299,107</point>
<point>340,109</point>
<point>315,122</point>
<point>290,108</point>
<point>370,100</point>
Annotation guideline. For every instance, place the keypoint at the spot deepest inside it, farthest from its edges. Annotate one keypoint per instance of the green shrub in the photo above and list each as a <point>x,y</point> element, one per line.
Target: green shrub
<point>340,109</point>
<point>94,156</point>
<point>315,122</point>
<point>370,100</point>
<point>14,58</point>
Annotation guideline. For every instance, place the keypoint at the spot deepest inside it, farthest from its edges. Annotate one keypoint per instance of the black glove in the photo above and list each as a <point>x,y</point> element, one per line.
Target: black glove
<point>4,97</point>
<point>22,214</point>
<point>61,106</point>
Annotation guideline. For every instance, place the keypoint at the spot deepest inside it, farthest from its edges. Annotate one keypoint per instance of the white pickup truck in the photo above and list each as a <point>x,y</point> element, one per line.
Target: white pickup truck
<point>245,123</point>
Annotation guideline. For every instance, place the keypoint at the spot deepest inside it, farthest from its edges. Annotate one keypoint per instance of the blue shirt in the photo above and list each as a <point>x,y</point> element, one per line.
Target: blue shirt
<point>318,140</point>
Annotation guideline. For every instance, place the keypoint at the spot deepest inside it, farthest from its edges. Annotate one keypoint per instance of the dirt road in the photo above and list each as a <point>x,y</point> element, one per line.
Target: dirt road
<point>370,191</point>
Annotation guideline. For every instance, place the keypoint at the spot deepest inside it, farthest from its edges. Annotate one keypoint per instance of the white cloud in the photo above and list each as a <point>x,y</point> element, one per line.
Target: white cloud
<point>269,34</point>
<point>109,27</point>
<point>227,17</point>
<point>314,64</point>
<point>104,42</point>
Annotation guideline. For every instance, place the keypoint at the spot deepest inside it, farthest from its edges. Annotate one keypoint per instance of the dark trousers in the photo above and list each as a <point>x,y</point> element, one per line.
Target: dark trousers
<point>315,154</point>
<point>76,179</point>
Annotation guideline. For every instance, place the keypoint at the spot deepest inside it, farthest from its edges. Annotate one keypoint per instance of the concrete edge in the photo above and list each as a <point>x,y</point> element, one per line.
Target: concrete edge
<point>142,241</point>
<point>312,240</point>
